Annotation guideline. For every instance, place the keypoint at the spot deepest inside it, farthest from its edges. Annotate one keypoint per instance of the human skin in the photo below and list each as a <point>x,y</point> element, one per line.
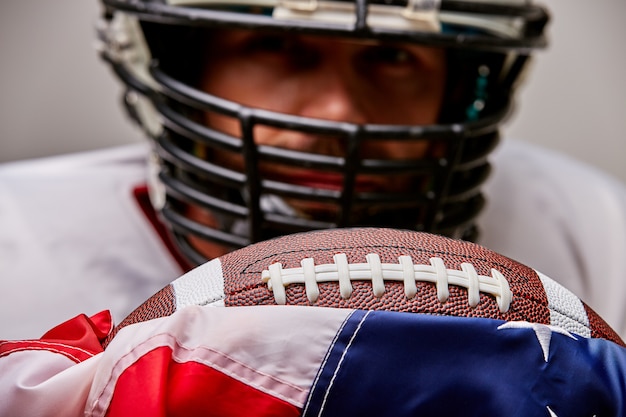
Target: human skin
<point>324,78</point>
<point>332,79</point>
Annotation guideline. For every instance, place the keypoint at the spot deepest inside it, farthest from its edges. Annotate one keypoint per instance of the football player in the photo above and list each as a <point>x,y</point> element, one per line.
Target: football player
<point>271,117</point>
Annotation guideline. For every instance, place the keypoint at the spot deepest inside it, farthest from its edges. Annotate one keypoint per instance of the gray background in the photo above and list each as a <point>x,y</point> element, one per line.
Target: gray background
<point>56,97</point>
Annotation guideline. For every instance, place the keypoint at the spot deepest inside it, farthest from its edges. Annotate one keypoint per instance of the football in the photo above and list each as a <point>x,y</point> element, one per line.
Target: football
<point>379,269</point>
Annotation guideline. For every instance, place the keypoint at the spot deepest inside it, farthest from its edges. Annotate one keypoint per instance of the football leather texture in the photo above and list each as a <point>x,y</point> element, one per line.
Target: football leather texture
<point>379,269</point>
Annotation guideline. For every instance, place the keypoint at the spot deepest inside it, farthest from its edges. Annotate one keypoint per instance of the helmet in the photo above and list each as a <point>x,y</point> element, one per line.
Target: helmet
<point>155,48</point>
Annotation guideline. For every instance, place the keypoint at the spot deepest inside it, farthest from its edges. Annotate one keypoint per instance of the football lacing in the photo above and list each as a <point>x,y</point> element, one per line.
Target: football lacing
<point>377,272</point>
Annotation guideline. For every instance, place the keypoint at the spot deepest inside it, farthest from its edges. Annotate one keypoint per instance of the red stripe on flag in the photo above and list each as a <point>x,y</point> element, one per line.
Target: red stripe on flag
<point>156,385</point>
<point>77,339</point>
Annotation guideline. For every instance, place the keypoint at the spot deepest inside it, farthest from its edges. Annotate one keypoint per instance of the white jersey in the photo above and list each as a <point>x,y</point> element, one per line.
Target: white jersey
<point>74,239</point>
<point>562,218</point>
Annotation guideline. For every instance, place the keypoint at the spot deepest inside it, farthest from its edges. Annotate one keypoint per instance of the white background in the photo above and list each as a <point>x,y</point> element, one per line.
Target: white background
<point>56,96</point>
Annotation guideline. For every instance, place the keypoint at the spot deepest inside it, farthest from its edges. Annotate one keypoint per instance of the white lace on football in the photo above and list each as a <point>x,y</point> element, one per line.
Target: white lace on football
<point>377,272</point>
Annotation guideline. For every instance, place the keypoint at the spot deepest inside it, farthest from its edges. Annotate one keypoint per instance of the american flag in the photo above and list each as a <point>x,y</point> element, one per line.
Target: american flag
<point>291,361</point>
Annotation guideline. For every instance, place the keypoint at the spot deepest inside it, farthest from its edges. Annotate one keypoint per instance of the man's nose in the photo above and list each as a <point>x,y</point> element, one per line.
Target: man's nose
<point>331,91</point>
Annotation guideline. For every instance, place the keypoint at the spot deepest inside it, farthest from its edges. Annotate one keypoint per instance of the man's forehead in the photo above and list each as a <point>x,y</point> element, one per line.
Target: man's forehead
<point>241,34</point>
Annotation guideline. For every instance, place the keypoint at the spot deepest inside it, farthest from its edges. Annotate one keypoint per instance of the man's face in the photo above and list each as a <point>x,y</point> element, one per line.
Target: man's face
<point>325,78</point>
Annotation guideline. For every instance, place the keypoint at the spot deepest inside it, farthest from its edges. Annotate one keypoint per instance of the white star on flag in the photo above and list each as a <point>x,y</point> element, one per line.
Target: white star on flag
<point>542,331</point>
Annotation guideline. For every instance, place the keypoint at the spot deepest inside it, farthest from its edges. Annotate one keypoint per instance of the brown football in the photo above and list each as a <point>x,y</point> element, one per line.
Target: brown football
<point>379,269</point>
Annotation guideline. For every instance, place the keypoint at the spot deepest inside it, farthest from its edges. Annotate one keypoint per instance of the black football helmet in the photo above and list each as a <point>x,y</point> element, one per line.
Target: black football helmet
<point>152,46</point>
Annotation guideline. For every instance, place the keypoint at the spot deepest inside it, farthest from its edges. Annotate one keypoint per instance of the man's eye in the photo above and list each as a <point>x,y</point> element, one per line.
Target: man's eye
<point>389,55</point>
<point>288,51</point>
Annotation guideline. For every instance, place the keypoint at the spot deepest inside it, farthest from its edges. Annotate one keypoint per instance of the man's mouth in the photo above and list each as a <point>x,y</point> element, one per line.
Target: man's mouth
<point>324,180</point>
